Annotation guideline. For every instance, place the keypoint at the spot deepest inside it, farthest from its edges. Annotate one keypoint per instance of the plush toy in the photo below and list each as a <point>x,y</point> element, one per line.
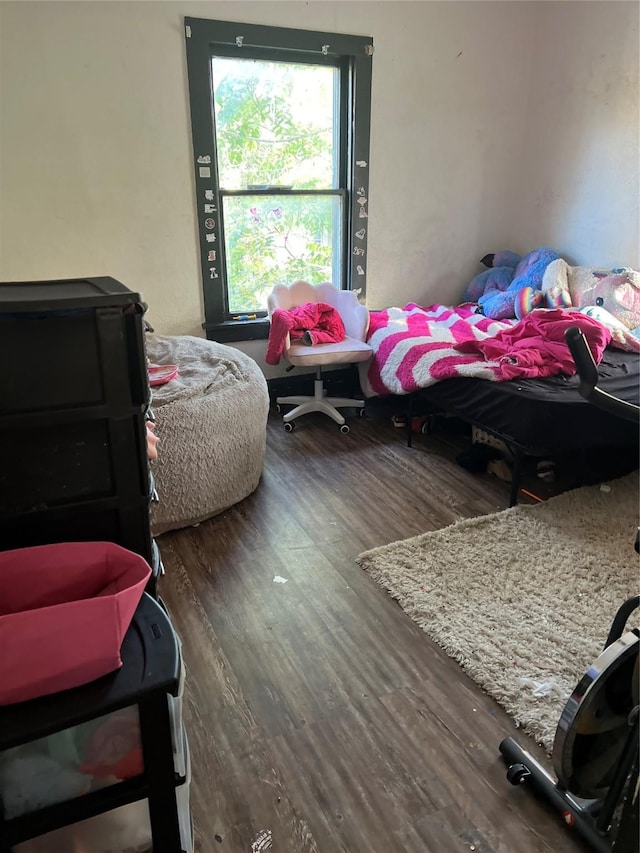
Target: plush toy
<point>497,278</point>
<point>621,336</point>
<point>617,291</point>
<point>559,276</point>
<point>529,298</point>
<point>496,291</point>
<point>610,296</point>
<point>502,259</point>
<point>619,294</point>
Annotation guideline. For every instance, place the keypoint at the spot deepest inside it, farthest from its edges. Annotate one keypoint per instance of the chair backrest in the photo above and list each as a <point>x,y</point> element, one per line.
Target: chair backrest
<point>354,315</point>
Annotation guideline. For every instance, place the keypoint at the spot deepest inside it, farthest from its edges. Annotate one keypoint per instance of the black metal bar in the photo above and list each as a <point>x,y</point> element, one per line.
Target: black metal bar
<point>582,465</point>
<point>627,759</point>
<point>543,783</point>
<point>588,375</point>
<point>157,749</point>
<point>583,358</point>
<point>53,817</point>
<point>409,419</point>
<point>626,832</point>
<point>620,619</point>
<point>516,472</point>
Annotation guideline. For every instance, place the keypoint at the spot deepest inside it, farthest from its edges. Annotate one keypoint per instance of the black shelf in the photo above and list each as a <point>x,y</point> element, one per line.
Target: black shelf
<point>150,673</point>
<point>65,294</point>
<point>73,467</point>
<point>105,520</point>
<point>72,344</point>
<point>150,663</point>
<point>73,410</point>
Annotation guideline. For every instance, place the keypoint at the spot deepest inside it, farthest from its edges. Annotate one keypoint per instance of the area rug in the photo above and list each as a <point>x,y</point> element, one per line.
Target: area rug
<point>522,599</point>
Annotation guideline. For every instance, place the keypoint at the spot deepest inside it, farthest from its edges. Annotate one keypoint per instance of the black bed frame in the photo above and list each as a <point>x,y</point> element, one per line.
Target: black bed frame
<point>517,450</point>
<point>541,418</point>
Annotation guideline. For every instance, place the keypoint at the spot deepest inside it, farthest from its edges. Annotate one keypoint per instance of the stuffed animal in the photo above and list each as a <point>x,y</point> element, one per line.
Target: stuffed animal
<point>560,276</point>
<point>619,294</point>
<point>496,290</point>
<point>498,276</point>
<point>621,337</point>
<point>617,291</point>
<point>529,298</point>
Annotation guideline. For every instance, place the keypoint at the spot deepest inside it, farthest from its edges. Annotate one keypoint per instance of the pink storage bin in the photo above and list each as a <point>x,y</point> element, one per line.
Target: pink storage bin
<point>64,611</point>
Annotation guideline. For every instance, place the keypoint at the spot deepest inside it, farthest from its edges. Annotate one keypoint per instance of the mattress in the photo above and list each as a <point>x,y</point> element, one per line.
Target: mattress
<point>546,414</point>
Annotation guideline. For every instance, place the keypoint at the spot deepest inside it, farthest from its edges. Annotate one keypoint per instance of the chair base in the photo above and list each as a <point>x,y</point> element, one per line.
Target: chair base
<point>318,403</point>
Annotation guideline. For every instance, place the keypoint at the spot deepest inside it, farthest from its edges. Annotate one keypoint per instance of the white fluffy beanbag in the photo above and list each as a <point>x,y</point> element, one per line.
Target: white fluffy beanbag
<point>211,425</point>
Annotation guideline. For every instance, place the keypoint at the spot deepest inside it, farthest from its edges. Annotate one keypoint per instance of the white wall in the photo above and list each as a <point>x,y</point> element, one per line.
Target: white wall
<point>96,174</point>
<point>494,125</point>
<point>579,187</point>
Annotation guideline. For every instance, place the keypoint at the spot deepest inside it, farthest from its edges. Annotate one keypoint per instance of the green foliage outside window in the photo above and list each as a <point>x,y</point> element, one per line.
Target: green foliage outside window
<point>275,126</point>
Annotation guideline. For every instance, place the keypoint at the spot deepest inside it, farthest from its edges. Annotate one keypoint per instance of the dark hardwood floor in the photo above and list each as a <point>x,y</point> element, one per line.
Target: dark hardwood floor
<point>318,714</point>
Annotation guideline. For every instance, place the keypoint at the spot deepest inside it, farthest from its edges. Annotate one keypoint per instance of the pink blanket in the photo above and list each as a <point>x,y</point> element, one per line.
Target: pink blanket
<point>535,346</point>
<point>415,347</point>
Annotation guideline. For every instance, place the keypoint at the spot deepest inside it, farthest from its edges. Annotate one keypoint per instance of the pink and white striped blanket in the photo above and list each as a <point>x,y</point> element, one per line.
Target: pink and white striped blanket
<point>413,347</point>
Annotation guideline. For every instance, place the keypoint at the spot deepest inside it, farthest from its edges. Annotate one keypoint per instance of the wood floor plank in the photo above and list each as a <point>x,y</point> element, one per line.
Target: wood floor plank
<point>316,710</point>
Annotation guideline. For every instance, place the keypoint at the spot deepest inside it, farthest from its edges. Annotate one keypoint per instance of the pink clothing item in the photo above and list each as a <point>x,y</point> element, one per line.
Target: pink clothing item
<point>535,347</point>
<point>317,322</point>
<point>115,747</point>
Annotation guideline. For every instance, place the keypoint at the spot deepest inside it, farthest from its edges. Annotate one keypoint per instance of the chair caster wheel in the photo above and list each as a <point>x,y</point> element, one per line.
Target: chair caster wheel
<point>278,408</point>
<point>344,429</point>
<point>361,412</point>
<point>517,774</point>
<point>289,426</point>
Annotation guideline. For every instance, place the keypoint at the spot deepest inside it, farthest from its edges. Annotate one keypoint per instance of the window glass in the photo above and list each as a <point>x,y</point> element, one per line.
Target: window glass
<point>275,123</point>
<point>275,238</point>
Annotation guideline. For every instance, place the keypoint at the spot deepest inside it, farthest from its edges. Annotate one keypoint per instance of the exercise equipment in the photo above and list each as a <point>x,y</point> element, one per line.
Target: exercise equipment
<point>596,748</point>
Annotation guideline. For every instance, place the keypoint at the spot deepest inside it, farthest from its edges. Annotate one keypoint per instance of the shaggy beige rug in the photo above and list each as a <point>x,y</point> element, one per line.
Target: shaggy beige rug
<point>522,599</point>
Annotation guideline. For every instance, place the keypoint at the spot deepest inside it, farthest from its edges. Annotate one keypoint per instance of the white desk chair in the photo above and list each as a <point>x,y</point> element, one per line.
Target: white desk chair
<point>349,351</point>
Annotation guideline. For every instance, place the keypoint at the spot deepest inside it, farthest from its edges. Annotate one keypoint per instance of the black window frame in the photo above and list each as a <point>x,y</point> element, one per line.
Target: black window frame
<point>206,38</point>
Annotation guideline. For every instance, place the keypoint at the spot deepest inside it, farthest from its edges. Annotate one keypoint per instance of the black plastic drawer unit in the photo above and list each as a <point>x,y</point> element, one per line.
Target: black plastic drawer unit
<point>71,344</point>
<point>74,399</point>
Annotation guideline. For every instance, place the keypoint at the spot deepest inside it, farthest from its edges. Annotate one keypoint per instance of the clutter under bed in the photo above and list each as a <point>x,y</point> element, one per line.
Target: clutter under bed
<point>540,417</point>
<point>514,379</point>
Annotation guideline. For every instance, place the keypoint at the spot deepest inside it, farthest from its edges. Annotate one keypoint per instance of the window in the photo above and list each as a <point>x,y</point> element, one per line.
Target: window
<point>280,125</point>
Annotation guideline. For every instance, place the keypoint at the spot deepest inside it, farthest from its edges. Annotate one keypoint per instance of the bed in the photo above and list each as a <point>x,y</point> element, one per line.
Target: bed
<point>417,354</point>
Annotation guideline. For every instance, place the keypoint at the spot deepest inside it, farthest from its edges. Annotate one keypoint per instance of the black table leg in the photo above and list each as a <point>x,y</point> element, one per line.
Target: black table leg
<point>157,749</point>
<point>516,472</point>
